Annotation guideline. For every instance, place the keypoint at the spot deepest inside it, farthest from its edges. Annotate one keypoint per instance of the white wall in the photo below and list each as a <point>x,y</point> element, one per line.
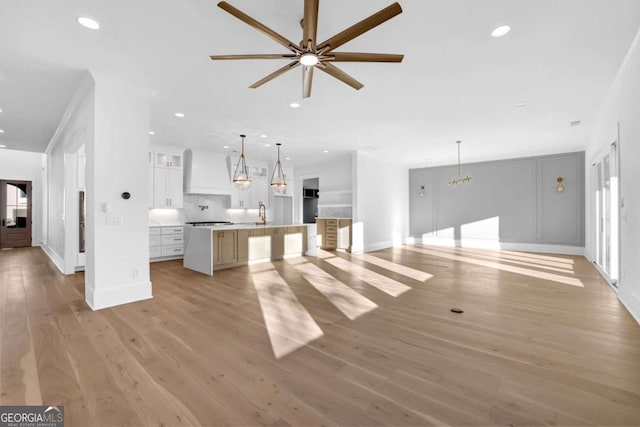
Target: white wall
<point>26,166</point>
<point>382,203</point>
<point>621,108</point>
<point>334,174</point>
<point>117,261</point>
<point>74,130</point>
<point>509,204</point>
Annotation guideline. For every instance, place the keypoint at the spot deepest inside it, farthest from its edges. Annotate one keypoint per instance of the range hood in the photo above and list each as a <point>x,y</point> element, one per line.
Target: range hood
<point>205,172</point>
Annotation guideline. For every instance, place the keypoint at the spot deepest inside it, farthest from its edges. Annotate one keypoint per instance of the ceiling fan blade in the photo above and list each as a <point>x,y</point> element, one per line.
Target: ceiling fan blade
<point>310,24</point>
<point>364,57</point>
<point>290,66</point>
<point>307,78</point>
<point>258,26</point>
<point>336,72</point>
<point>360,28</point>
<point>251,56</point>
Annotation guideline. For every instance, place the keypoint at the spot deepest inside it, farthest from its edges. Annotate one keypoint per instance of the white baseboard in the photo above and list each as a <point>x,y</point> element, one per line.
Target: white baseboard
<point>630,300</point>
<point>497,245</point>
<point>378,246</point>
<point>535,247</point>
<point>54,257</point>
<point>118,295</point>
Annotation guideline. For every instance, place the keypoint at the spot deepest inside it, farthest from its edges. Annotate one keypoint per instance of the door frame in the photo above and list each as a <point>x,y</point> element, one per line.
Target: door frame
<point>3,202</point>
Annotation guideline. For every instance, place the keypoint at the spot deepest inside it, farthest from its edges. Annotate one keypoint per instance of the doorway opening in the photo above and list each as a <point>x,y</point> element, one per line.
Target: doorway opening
<point>606,215</point>
<point>15,215</point>
<point>310,195</point>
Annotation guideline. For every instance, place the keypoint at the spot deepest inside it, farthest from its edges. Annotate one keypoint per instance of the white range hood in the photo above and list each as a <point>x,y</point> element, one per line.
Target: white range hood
<point>205,172</point>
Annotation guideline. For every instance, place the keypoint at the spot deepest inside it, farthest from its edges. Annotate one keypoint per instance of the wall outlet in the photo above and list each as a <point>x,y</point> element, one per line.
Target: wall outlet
<point>135,273</point>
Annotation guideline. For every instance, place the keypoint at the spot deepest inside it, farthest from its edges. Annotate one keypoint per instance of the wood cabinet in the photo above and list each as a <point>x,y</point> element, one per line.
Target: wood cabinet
<point>334,233</point>
<point>295,240</point>
<point>276,239</point>
<point>254,245</point>
<point>225,247</point>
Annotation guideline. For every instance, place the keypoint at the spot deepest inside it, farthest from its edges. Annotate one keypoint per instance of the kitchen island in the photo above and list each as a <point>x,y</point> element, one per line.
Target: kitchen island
<point>211,248</point>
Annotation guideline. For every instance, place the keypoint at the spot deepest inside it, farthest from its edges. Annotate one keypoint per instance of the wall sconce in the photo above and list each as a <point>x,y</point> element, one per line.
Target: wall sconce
<point>421,192</point>
<point>559,184</point>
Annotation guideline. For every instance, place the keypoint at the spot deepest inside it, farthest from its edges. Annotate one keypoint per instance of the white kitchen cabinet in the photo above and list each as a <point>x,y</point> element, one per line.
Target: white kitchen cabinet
<point>166,242</point>
<point>150,194</point>
<point>167,188</point>
<point>167,160</point>
<point>257,192</point>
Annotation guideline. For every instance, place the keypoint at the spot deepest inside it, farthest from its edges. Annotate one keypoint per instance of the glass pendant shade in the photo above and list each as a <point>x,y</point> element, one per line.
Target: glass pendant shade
<point>278,182</point>
<point>241,174</point>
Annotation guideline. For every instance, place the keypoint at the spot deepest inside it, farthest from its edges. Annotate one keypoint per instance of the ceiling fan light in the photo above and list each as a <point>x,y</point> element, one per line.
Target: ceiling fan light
<point>309,59</point>
<point>88,23</point>
<point>500,31</point>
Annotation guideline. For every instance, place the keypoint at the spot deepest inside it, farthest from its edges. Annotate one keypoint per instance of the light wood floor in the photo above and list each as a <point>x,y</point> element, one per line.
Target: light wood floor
<point>542,341</point>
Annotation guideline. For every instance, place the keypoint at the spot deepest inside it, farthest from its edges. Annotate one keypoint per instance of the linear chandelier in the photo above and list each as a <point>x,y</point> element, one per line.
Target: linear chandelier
<point>459,179</point>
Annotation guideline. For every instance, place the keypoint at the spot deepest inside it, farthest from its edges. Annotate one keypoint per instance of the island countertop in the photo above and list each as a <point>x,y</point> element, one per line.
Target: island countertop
<point>199,242</point>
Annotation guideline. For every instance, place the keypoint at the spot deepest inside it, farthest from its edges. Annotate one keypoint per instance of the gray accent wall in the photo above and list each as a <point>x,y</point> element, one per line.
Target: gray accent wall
<point>512,200</point>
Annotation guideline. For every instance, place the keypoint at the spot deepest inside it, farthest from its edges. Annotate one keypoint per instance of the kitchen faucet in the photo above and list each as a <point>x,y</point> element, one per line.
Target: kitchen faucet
<point>262,212</point>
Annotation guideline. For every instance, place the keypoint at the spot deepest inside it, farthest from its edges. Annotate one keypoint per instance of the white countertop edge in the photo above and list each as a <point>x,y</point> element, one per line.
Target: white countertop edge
<point>243,226</point>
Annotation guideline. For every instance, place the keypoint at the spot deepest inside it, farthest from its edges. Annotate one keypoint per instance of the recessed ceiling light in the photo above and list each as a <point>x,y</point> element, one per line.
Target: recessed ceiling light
<point>521,104</point>
<point>287,158</point>
<point>325,151</point>
<point>0,110</point>
<point>262,135</point>
<point>179,114</point>
<point>500,31</point>
<point>225,146</point>
<point>1,131</point>
<point>294,105</point>
<point>267,145</point>
<point>151,132</point>
<point>3,146</point>
<point>88,23</point>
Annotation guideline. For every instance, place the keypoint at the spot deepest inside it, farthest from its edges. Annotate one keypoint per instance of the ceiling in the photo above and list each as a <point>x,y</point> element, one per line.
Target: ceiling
<point>456,82</point>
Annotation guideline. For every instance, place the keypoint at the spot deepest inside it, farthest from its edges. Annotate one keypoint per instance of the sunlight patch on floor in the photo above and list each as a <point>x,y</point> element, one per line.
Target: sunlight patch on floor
<point>348,301</point>
<point>498,266</point>
<point>513,259</point>
<point>289,324</point>
<point>385,284</point>
<point>409,272</point>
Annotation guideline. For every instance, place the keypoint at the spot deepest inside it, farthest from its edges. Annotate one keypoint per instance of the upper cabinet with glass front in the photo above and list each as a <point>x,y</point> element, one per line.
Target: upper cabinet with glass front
<point>167,160</point>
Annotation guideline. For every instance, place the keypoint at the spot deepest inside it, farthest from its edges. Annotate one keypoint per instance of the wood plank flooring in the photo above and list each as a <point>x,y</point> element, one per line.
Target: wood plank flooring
<point>361,341</point>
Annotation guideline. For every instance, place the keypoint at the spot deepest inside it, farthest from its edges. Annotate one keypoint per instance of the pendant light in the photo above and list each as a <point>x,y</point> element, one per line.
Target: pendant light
<point>459,179</point>
<point>241,174</point>
<point>278,182</point>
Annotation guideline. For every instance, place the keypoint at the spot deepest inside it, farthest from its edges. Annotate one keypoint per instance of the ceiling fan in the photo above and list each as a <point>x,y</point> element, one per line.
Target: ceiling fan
<point>313,55</point>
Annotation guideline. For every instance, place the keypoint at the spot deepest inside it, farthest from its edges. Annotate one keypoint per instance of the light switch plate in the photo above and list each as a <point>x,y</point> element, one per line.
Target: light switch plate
<point>114,220</point>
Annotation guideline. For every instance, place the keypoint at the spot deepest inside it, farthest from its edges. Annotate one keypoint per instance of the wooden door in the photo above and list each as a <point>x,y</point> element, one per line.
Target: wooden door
<point>15,213</point>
